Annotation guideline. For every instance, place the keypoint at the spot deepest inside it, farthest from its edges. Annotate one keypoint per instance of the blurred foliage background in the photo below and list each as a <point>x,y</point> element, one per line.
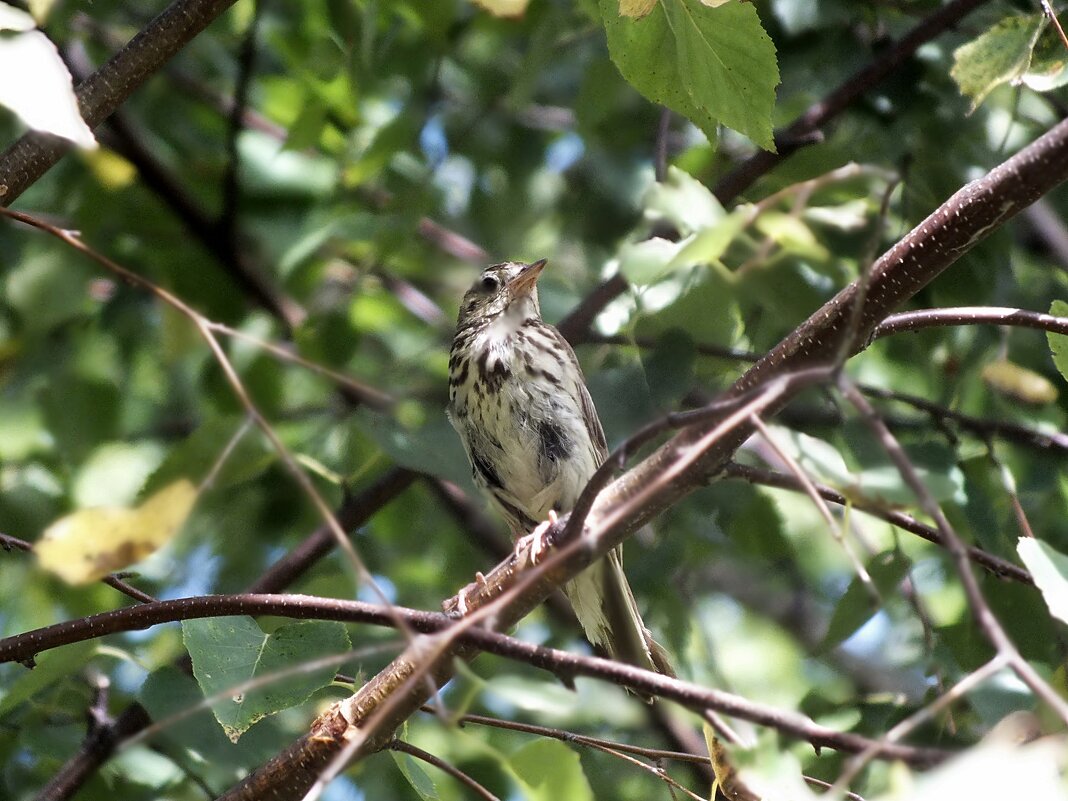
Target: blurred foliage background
<point>386,149</point>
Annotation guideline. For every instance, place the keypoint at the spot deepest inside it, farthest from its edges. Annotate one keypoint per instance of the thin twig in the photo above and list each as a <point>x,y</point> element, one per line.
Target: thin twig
<point>407,748</point>
<point>8,543</point>
<point>920,716</point>
<point>981,611</point>
<point>996,565</point>
<point>821,506</point>
<point>1052,15</point>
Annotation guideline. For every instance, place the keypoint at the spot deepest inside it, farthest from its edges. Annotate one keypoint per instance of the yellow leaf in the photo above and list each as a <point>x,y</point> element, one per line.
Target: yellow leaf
<point>715,3</point>
<point>88,544</point>
<point>504,8</point>
<point>1019,383</point>
<point>636,9</point>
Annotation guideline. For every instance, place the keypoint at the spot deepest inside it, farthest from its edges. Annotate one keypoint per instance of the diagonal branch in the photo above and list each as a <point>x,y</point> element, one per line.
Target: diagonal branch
<point>685,462</point>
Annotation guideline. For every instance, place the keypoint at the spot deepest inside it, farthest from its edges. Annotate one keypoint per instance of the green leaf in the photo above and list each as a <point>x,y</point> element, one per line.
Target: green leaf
<point>1058,343</point>
<point>684,202</point>
<point>432,448</point>
<point>416,776</point>
<point>81,413</point>
<point>712,65</point>
<point>1000,55</point>
<point>198,453</point>
<point>49,667</point>
<point>646,262</point>
<point>706,310</point>
<point>1050,571</point>
<point>46,291</point>
<point>669,367</point>
<point>791,232</point>
<point>1049,63</point>
<point>707,245</point>
<point>113,474</point>
<point>549,771</point>
<point>856,606</point>
<point>228,652</point>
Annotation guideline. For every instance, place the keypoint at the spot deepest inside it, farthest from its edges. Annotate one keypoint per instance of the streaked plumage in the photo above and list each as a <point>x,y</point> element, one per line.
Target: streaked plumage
<point>518,399</point>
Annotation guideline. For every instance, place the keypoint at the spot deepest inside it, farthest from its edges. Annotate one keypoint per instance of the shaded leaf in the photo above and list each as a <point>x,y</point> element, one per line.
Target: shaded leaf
<point>198,453</point>
<point>230,651</point>
<point>1019,383</point>
<point>416,777</point>
<point>856,606</point>
<point>1058,343</point>
<point>49,667</point>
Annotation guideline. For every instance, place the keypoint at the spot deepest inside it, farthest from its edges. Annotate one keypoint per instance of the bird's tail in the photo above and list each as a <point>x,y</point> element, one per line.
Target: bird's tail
<point>604,604</point>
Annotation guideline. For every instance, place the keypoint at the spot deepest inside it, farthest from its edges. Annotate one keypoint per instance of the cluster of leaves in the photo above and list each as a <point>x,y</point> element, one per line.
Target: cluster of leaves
<point>379,142</point>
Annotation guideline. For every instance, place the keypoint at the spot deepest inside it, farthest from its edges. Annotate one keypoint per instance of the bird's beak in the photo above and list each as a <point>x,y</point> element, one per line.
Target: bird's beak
<point>523,284</point>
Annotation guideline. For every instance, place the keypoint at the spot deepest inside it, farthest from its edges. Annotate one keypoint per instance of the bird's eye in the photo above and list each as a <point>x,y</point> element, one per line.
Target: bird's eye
<point>488,283</point>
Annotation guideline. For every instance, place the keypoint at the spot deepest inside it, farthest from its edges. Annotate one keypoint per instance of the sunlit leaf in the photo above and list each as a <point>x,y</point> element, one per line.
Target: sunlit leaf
<point>1048,69</point>
<point>1049,568</point>
<point>43,95</point>
<point>635,9</point>
<point>88,544</point>
<point>504,8</point>
<point>1000,55</point>
<point>684,202</point>
<point>648,260</point>
<point>969,775</point>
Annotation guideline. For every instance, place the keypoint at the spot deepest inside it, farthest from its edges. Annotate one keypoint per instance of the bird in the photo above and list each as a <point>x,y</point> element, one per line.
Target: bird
<point>519,401</point>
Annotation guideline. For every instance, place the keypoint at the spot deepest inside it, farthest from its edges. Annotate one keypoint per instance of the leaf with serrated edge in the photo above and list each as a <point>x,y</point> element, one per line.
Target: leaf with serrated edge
<point>227,652</point>
<point>712,65</point>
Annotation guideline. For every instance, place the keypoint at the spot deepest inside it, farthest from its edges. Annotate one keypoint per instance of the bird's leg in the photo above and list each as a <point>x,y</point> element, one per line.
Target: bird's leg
<point>461,597</point>
<point>537,540</point>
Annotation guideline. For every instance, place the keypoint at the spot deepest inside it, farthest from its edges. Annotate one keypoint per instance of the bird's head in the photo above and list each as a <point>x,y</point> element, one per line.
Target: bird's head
<point>511,286</point>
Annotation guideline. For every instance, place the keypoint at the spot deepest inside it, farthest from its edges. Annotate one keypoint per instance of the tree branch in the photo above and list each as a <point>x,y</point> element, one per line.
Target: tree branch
<point>683,463</point>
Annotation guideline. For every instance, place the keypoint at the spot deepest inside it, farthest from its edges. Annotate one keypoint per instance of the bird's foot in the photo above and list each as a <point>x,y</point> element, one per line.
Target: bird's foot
<point>462,606</point>
<point>538,539</point>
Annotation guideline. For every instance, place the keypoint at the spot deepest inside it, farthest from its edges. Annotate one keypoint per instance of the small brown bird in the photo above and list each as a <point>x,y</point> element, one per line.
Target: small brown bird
<point>518,399</point>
